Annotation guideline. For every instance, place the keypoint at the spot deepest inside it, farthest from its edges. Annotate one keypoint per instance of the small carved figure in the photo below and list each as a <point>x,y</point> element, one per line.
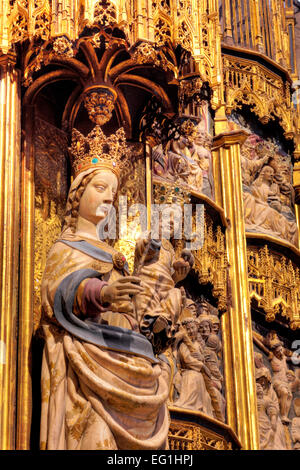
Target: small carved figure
<point>211,346</point>
<point>187,159</point>
<point>159,271</point>
<point>263,377</point>
<point>268,192</point>
<point>281,382</point>
<point>193,393</point>
<point>251,163</point>
<point>267,419</point>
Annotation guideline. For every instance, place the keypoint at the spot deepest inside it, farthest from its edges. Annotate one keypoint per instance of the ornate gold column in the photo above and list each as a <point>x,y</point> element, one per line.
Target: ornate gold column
<point>24,398</point>
<point>10,133</point>
<point>237,331</point>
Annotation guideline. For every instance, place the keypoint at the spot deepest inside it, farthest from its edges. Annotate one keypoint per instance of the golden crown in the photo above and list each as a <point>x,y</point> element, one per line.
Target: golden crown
<point>189,128</point>
<point>98,150</point>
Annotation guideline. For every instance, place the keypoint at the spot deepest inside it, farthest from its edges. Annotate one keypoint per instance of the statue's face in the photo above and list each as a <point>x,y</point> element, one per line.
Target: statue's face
<point>192,309</point>
<point>171,219</point>
<point>263,381</point>
<point>204,329</point>
<point>203,309</point>
<point>98,196</point>
<point>278,352</point>
<point>215,327</point>
<point>268,174</point>
<point>290,377</point>
<point>192,330</point>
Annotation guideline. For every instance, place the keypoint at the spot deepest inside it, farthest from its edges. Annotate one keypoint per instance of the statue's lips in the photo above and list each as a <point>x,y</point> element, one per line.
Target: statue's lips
<point>103,210</point>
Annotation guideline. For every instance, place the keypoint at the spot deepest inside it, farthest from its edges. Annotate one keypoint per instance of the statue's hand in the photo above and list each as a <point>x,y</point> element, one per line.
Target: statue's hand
<point>197,355</point>
<point>121,290</point>
<point>182,268</point>
<point>144,243</point>
<point>187,256</point>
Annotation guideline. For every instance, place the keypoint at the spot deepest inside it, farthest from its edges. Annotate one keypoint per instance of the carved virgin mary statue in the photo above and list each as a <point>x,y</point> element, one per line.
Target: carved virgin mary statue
<point>102,386</point>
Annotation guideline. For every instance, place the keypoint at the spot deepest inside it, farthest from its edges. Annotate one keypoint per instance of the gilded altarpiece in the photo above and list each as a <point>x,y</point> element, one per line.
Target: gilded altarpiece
<point>173,51</point>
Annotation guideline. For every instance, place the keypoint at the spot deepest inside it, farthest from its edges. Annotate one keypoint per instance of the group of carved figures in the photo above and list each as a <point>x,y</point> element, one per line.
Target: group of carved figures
<point>266,174</point>
<point>196,358</point>
<point>187,160</point>
<point>275,387</point>
<point>267,189</point>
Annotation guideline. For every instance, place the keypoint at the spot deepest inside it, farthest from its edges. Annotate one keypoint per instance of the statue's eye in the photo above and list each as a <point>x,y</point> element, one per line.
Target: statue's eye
<point>100,188</point>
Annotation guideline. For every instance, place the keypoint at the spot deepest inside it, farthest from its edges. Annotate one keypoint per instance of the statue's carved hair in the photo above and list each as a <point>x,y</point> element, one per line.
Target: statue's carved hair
<point>75,201</point>
<point>188,320</point>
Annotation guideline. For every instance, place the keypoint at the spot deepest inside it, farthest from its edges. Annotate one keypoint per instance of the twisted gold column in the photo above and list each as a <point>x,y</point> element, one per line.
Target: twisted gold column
<point>9,244</point>
<point>237,331</point>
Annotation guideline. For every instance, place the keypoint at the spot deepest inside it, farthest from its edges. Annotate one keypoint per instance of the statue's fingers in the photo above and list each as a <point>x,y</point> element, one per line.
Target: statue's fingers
<point>128,286</point>
<point>134,291</point>
<point>122,298</point>
<point>133,279</point>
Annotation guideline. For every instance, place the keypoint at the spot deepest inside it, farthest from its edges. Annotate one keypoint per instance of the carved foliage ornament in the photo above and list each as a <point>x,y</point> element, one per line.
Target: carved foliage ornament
<point>28,19</point>
<point>63,46</point>
<point>99,103</point>
<point>105,13</point>
<point>266,93</point>
<point>146,53</point>
<point>186,436</point>
<point>211,263</point>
